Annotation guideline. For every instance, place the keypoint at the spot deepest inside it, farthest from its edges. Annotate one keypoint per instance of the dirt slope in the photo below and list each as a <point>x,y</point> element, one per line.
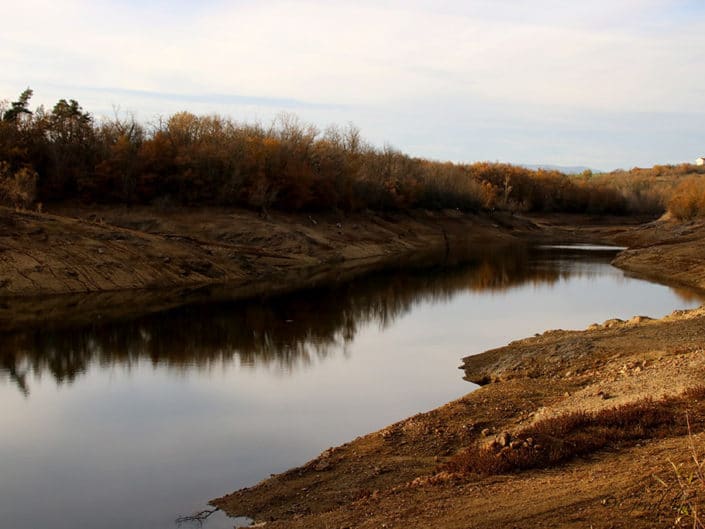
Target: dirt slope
<point>667,251</point>
<point>93,250</point>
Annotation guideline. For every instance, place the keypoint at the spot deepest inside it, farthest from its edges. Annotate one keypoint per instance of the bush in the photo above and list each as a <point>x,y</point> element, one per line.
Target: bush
<point>688,199</point>
<point>17,189</point>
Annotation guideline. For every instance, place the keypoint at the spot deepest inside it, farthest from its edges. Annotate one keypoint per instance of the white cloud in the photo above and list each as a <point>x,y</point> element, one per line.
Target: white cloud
<point>617,56</point>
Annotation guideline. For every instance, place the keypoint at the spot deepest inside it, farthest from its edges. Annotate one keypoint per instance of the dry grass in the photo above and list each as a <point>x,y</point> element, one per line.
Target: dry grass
<point>552,441</point>
<point>684,490</point>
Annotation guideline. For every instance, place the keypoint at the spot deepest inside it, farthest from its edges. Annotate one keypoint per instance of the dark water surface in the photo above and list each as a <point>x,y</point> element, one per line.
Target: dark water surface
<point>131,423</point>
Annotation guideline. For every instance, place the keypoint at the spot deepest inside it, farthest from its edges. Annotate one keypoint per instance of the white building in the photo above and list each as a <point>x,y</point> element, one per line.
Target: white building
<point>700,161</point>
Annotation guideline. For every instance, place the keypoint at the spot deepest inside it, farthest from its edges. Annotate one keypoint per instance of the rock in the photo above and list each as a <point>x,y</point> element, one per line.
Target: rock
<point>516,444</point>
<point>504,439</point>
<point>322,465</point>
<point>485,432</point>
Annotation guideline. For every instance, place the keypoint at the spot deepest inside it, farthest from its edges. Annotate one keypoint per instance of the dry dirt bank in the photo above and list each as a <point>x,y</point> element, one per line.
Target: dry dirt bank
<point>149,259</point>
<point>667,251</point>
<point>395,477</point>
<point>139,260</point>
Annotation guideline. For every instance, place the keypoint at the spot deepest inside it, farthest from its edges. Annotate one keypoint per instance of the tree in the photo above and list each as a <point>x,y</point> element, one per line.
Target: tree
<point>19,107</point>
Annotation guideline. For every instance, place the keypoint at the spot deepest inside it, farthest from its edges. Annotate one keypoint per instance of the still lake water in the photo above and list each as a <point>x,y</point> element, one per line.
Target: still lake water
<point>129,424</point>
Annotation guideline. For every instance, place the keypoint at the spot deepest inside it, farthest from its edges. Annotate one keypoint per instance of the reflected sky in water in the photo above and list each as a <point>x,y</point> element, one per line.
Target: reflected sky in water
<point>130,423</point>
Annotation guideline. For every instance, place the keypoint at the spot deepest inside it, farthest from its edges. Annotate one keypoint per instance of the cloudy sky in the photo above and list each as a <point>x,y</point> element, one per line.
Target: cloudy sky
<point>605,84</point>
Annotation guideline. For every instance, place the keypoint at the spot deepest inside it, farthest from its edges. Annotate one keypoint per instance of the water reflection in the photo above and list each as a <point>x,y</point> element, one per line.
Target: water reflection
<point>132,420</point>
<point>287,332</point>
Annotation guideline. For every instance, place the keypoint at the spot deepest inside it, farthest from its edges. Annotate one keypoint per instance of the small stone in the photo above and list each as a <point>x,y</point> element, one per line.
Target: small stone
<point>504,439</point>
<point>604,395</point>
<point>322,465</point>
<point>485,432</point>
<point>516,444</point>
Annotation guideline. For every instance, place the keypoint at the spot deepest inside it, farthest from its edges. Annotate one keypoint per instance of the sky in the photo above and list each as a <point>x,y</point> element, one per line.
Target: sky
<point>605,84</point>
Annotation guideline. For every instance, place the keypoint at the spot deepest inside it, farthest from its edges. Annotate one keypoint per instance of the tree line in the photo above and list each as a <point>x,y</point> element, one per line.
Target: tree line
<point>66,154</point>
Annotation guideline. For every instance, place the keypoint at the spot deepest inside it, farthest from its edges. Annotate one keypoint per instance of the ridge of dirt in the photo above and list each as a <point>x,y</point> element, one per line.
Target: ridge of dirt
<point>92,250</point>
<point>667,251</point>
<point>167,258</point>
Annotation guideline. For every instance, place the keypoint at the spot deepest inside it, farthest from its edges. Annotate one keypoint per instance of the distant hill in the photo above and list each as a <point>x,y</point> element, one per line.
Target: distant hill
<point>567,169</point>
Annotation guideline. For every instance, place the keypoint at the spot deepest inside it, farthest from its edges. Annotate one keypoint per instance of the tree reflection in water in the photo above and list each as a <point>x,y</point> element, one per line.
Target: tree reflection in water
<point>285,332</point>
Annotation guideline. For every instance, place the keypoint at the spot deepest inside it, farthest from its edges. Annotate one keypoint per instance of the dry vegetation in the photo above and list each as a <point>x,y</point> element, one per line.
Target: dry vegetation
<point>676,188</point>
<point>65,154</point>
<point>552,441</point>
<point>688,199</point>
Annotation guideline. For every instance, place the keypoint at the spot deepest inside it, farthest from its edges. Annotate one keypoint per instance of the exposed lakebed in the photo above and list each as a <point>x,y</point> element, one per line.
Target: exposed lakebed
<point>130,423</point>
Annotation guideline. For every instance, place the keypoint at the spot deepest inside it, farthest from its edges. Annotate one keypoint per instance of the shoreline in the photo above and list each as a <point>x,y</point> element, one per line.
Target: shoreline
<point>75,262</point>
<point>396,477</point>
<point>82,263</point>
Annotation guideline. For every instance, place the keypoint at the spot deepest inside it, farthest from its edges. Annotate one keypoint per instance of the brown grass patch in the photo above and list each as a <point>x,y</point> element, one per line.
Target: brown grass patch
<point>554,440</point>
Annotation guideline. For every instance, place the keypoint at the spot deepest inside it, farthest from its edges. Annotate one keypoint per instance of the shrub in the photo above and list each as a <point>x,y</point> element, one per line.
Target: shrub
<point>18,188</point>
<point>688,199</point>
<point>554,440</point>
